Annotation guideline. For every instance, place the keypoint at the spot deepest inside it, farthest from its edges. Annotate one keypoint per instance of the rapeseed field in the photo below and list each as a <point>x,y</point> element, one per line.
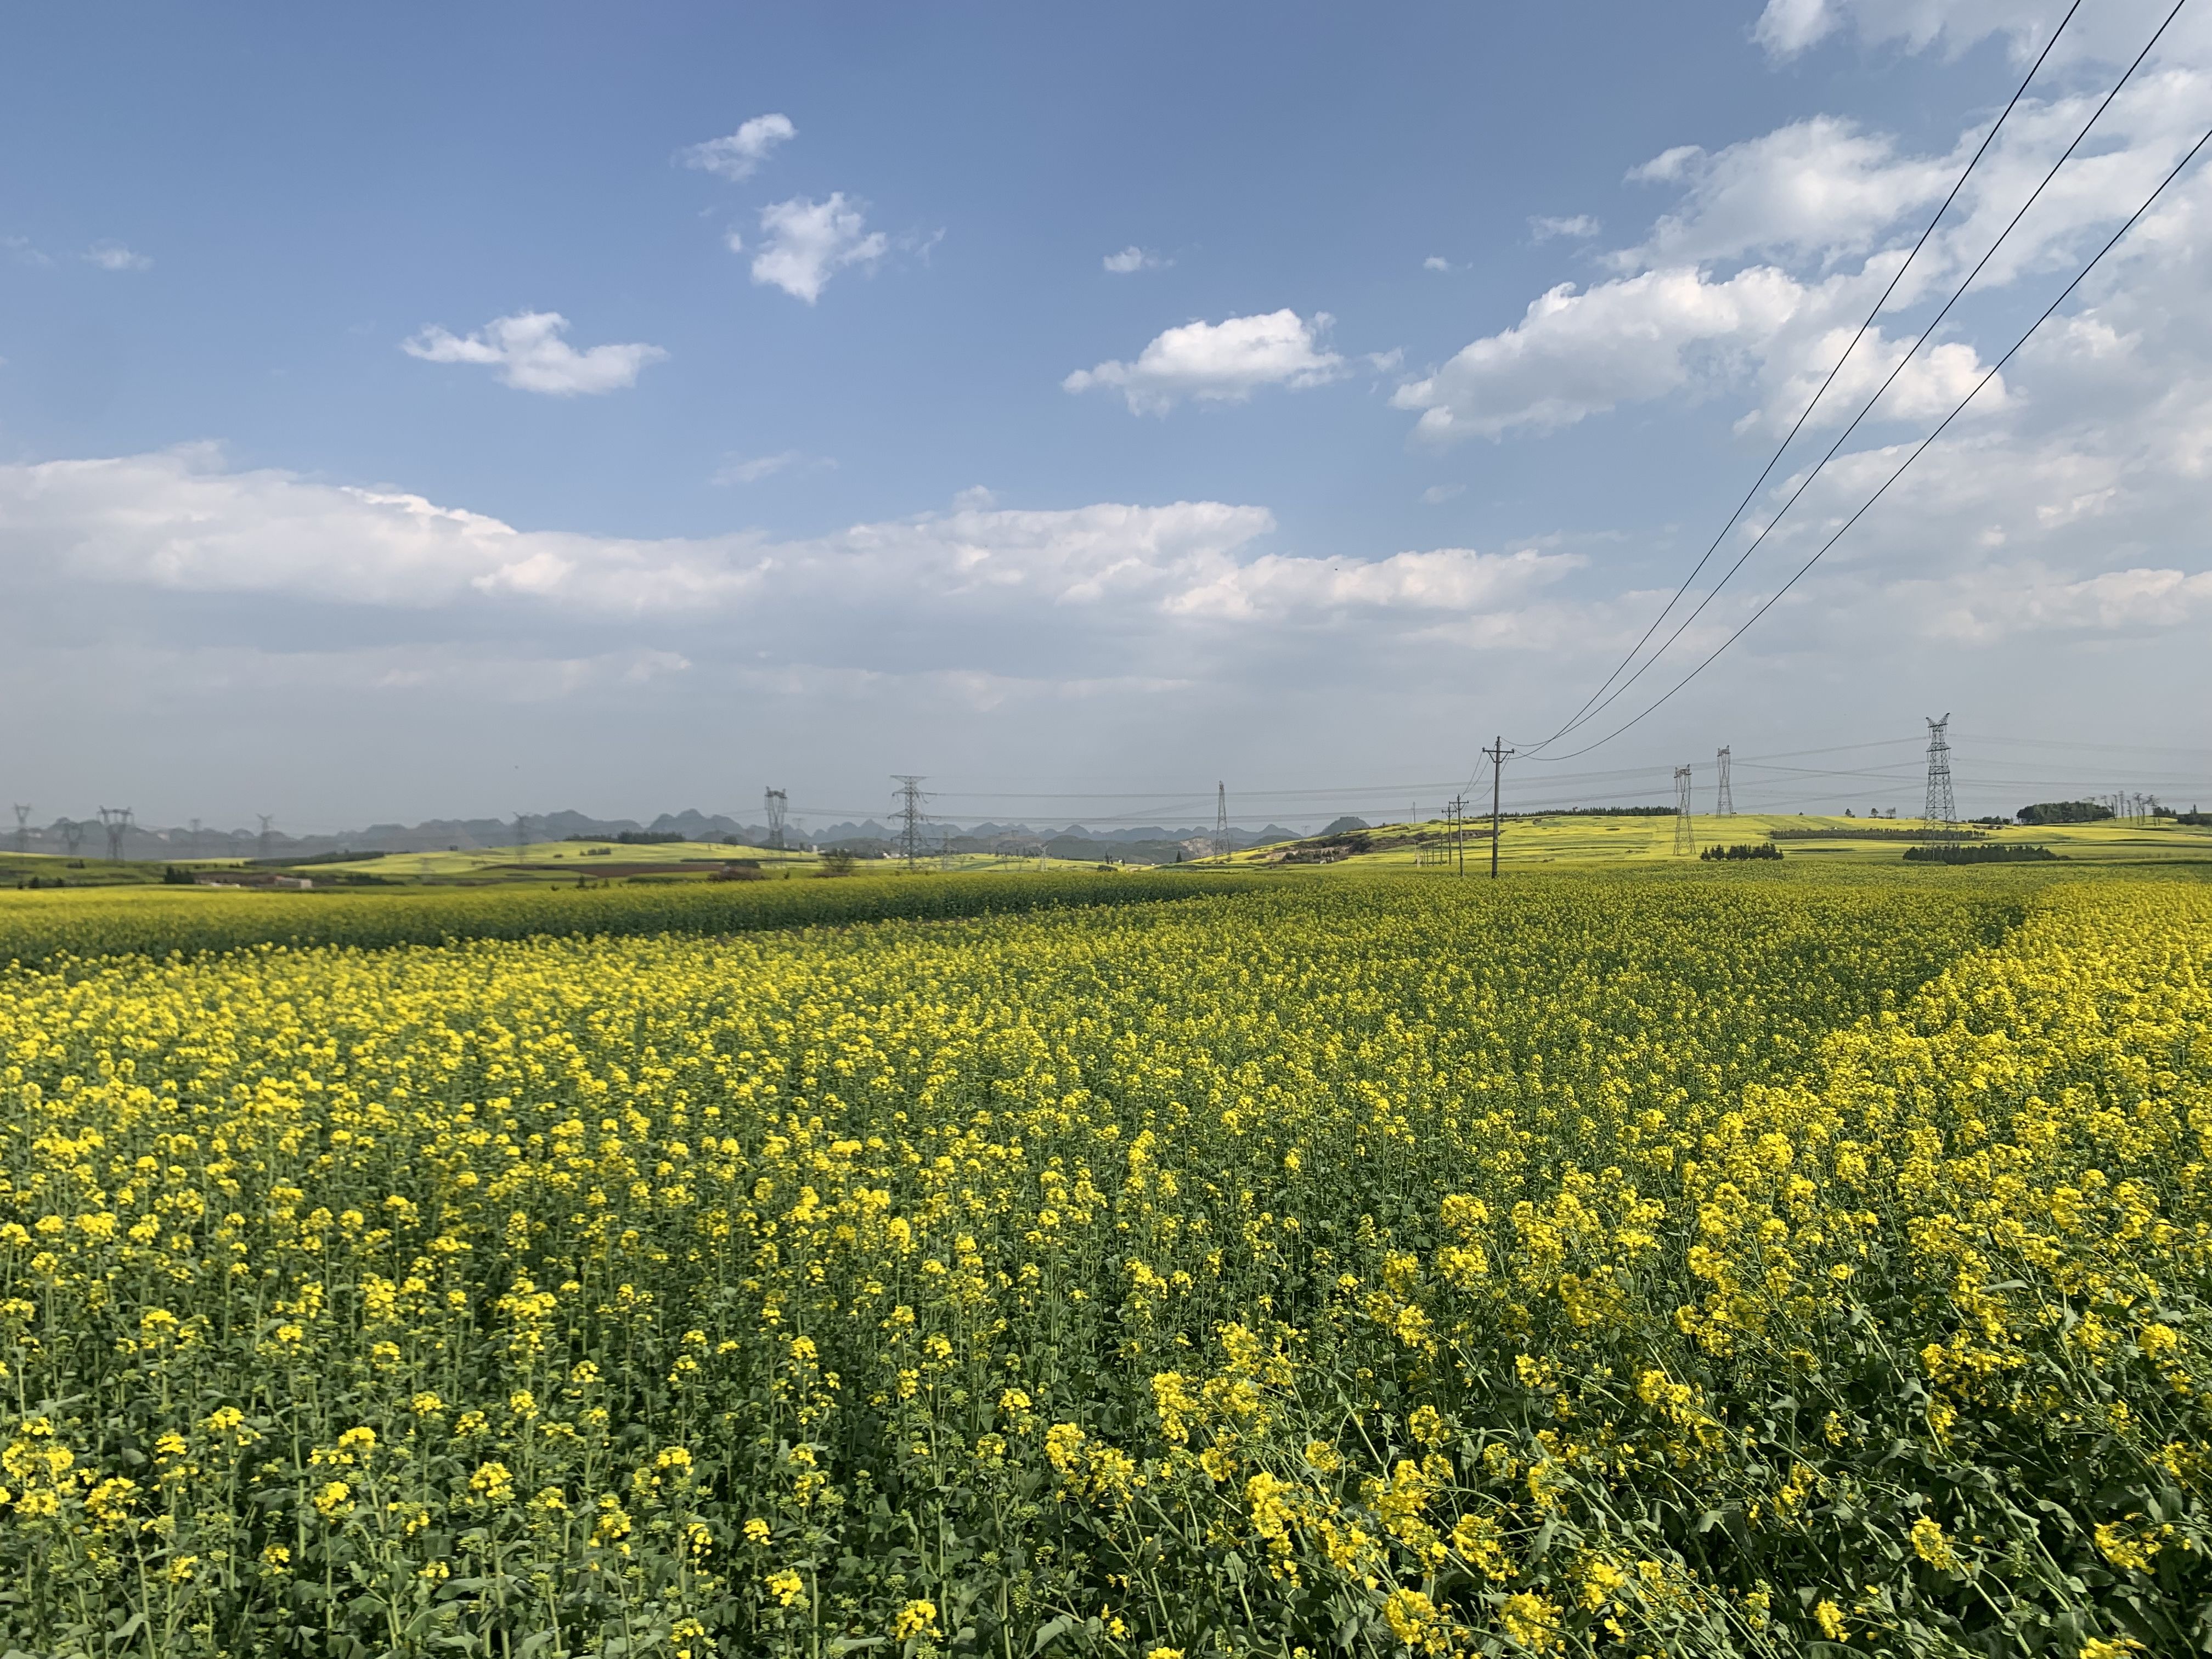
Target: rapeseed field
<point>1588,1265</point>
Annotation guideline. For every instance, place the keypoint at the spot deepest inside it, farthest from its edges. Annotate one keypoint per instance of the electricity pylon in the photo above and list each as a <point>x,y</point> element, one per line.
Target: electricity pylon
<point>1724,803</point>
<point>1686,840</point>
<point>1942,816</point>
<point>910,815</point>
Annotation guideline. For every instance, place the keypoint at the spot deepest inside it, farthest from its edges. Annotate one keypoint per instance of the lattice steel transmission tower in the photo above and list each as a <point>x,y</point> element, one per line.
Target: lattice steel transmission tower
<point>1724,798</point>
<point>1941,814</point>
<point>261,842</point>
<point>911,817</point>
<point>115,820</point>
<point>1221,820</point>
<point>72,833</point>
<point>23,828</point>
<point>1686,840</point>
<point>522,837</point>
<point>777,801</point>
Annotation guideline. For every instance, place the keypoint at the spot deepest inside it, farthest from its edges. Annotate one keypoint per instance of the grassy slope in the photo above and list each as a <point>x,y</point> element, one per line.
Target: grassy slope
<point>1568,839</point>
<point>566,860</point>
<point>37,928</point>
<point>537,863</point>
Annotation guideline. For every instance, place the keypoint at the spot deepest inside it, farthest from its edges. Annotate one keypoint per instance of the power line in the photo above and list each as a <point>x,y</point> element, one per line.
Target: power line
<point>1773,460</point>
<point>1600,702</point>
<point>1917,450</point>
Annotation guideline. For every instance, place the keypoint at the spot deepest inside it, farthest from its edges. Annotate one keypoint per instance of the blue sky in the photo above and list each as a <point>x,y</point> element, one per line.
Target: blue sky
<point>310,504</point>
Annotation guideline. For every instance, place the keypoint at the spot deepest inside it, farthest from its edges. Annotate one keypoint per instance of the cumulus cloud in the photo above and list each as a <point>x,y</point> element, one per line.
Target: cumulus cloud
<point>1435,262</point>
<point>1989,606</point>
<point>1575,354</point>
<point>222,585</point>
<point>1788,28</point>
<point>1221,362</point>
<point>1458,580</point>
<point>1133,258</point>
<point>1813,188</point>
<point>113,256</point>
<point>1577,226</point>
<point>739,156</point>
<point>180,522</point>
<point>526,352</point>
<point>1929,387</point>
<point>809,242</point>
<point>1775,247</point>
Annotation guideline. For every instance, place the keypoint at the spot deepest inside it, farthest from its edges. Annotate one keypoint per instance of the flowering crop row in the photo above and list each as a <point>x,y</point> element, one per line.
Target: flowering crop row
<point>52,929</point>
<point>1595,1265</point>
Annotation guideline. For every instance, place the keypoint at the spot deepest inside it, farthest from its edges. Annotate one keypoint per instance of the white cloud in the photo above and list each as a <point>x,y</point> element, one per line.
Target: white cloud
<point>746,470</point>
<point>1813,188</point>
<point>113,256</point>
<point>1577,355</point>
<point>1437,494</point>
<point>178,522</point>
<point>1435,262</point>
<point>1222,362</point>
<point>1823,207</point>
<point>1579,225</point>
<point>1788,28</point>
<point>1931,386</point>
<point>1133,258</point>
<point>1990,604</point>
<point>808,242</point>
<point>528,352</point>
<point>2011,544</point>
<point>738,156</point>
<point>1454,580</point>
<point>24,252</point>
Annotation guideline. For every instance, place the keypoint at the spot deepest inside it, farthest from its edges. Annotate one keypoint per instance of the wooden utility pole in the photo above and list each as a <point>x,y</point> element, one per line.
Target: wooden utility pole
<point>1496,753</point>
